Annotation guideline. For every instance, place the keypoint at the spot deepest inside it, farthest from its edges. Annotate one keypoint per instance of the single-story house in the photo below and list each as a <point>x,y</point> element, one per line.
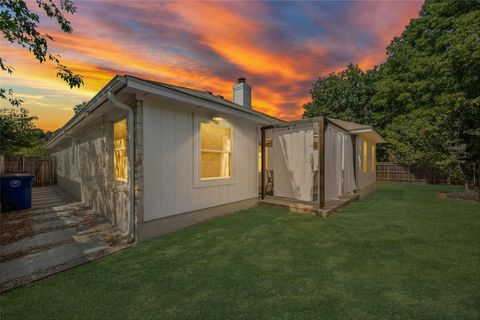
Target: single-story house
<point>154,158</point>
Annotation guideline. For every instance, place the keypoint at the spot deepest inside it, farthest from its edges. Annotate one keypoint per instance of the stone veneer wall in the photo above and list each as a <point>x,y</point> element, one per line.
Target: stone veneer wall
<point>138,165</point>
<point>85,168</point>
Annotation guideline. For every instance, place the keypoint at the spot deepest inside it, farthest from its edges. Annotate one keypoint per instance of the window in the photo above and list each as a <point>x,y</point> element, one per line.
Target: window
<point>365,159</point>
<point>120,150</point>
<point>373,158</point>
<point>260,158</point>
<point>215,151</point>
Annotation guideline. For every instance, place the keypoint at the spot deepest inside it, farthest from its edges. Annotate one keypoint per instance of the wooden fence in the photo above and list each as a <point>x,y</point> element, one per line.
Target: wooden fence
<point>387,171</point>
<point>44,168</point>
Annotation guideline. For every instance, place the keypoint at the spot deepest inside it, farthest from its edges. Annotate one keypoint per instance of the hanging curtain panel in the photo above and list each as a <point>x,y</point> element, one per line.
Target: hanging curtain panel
<point>293,162</point>
<point>333,162</point>
<point>339,174</point>
<point>349,173</point>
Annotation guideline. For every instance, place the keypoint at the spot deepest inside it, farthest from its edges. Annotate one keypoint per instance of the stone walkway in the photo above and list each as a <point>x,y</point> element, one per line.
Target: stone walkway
<point>56,234</point>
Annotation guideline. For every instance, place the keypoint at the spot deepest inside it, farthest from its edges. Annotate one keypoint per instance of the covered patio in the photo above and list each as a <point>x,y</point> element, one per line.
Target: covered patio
<point>312,165</point>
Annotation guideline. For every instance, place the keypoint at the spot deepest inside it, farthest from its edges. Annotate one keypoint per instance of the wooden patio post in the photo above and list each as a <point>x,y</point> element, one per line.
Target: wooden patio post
<point>354,148</point>
<point>262,169</point>
<point>321,163</point>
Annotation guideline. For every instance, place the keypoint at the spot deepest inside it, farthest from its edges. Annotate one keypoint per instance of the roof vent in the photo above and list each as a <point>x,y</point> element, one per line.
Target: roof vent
<point>221,97</point>
<point>210,92</point>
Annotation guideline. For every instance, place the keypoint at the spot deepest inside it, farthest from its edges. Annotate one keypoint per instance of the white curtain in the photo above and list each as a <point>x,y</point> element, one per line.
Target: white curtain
<point>333,162</point>
<point>349,175</point>
<point>339,176</point>
<point>225,157</point>
<point>293,162</point>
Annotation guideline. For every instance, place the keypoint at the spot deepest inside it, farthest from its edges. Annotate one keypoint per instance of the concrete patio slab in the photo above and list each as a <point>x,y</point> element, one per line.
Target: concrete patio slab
<point>56,234</point>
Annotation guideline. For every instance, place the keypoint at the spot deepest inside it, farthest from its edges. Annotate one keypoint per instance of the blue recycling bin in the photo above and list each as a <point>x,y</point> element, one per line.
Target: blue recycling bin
<point>16,192</point>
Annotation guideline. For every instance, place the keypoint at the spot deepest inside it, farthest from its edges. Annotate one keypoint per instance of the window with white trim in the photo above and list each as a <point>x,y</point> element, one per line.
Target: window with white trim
<point>120,150</point>
<point>215,151</point>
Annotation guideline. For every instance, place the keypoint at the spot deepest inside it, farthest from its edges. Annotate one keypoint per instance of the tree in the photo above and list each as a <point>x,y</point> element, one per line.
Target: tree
<point>430,84</point>
<point>424,138</point>
<point>78,107</point>
<point>345,95</point>
<point>17,130</point>
<point>435,67</point>
<point>19,25</point>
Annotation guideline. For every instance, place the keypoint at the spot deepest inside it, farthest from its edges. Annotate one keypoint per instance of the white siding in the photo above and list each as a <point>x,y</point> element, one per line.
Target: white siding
<point>169,162</point>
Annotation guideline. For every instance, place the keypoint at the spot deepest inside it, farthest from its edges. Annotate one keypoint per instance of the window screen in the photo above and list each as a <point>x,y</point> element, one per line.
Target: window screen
<point>120,150</point>
<point>216,151</point>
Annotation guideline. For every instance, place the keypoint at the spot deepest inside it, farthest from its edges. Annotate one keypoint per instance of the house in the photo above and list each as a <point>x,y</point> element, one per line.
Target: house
<point>154,158</point>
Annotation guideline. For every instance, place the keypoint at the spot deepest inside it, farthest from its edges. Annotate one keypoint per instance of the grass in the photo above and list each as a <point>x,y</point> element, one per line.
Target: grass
<point>400,253</point>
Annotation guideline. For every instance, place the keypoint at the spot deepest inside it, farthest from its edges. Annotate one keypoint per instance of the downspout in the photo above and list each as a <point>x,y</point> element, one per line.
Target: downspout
<point>131,162</point>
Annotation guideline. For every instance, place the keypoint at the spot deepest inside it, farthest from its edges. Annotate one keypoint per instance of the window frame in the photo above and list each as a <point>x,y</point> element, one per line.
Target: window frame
<point>117,180</point>
<point>200,182</point>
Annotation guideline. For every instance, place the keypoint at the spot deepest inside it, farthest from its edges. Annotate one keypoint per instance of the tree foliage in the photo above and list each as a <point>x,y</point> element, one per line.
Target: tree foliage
<point>17,130</point>
<point>78,107</point>
<point>19,26</point>
<point>425,98</point>
<point>345,95</point>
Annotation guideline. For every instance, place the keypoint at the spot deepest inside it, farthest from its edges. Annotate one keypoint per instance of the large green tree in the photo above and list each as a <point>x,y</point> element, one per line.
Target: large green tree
<point>426,97</point>
<point>19,26</point>
<point>345,95</point>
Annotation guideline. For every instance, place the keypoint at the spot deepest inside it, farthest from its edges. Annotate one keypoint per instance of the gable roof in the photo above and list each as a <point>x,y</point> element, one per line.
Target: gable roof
<point>192,96</point>
<point>207,96</point>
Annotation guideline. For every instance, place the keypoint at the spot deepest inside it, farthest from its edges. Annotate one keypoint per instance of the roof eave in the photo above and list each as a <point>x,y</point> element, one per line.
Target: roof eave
<point>96,101</point>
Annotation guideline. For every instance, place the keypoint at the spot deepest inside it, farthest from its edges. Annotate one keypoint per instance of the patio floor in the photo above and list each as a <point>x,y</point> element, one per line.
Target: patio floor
<point>331,206</point>
<point>55,234</point>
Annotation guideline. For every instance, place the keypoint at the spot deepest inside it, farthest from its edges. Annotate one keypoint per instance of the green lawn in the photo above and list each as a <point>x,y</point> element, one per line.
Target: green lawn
<point>400,253</point>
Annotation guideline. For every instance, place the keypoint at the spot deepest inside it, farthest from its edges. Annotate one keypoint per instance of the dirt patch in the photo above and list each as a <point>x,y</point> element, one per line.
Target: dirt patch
<point>467,196</point>
<point>13,232</point>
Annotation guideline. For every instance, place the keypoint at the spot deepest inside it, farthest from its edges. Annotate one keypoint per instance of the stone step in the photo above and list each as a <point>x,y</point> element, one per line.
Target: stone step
<point>41,239</point>
<point>39,264</point>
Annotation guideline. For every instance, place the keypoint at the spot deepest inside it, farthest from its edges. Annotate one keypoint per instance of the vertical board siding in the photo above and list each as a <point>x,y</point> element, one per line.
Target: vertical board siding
<point>169,160</point>
<point>44,168</point>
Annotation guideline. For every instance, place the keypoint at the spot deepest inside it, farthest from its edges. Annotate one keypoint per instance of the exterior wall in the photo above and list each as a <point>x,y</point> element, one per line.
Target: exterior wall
<point>365,182</point>
<point>85,170</point>
<point>169,158</point>
<point>155,228</point>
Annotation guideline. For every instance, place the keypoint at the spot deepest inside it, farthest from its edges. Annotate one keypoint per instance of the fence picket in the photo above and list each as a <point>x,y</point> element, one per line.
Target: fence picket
<point>42,167</point>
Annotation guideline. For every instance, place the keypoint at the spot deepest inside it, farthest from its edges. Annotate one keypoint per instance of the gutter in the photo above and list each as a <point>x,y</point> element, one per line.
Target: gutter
<point>91,106</point>
<point>131,162</point>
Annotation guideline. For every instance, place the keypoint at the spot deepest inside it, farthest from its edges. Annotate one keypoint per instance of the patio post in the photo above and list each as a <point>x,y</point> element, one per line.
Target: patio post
<point>262,166</point>
<point>321,162</point>
<point>354,148</point>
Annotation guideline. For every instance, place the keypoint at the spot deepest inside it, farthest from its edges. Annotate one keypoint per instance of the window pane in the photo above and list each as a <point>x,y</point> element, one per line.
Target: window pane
<point>365,146</point>
<point>215,165</point>
<point>215,137</point>
<point>120,149</point>
<point>120,162</point>
<point>373,158</point>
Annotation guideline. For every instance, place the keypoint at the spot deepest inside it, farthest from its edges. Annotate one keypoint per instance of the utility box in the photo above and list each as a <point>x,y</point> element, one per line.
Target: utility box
<point>16,192</point>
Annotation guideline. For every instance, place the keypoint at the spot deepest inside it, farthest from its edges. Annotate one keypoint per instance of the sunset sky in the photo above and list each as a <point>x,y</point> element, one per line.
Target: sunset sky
<point>280,47</point>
